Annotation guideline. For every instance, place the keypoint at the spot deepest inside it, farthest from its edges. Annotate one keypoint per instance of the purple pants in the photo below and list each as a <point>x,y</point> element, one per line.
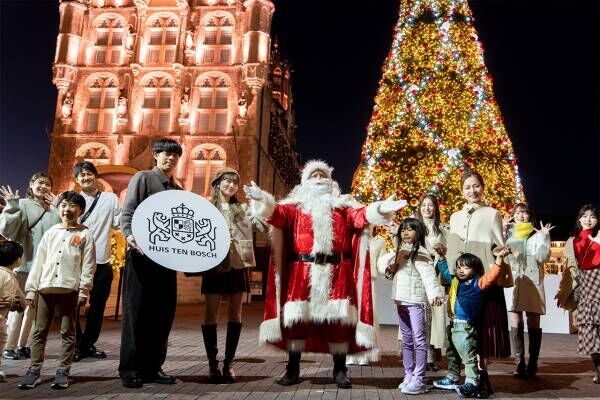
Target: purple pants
<point>414,340</point>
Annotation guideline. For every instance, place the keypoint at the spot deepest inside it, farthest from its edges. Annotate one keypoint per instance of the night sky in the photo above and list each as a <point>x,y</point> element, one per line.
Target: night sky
<point>544,58</point>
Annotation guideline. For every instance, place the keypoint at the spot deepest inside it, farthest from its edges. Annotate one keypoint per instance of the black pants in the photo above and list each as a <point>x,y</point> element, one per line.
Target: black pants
<point>98,297</point>
<point>149,301</point>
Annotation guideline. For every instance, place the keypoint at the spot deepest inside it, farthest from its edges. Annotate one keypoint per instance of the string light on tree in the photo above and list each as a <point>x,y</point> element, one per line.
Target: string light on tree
<point>435,115</point>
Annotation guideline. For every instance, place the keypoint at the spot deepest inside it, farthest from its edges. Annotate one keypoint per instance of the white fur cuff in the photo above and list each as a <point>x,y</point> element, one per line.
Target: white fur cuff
<point>264,208</point>
<point>338,348</point>
<point>375,217</point>
<point>365,335</point>
<point>269,331</point>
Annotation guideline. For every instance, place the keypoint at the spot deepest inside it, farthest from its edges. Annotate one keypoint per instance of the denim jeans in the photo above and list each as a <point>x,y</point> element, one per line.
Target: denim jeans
<point>462,346</point>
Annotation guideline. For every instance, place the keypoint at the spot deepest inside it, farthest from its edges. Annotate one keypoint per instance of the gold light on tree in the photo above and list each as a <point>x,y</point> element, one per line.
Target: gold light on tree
<point>435,115</point>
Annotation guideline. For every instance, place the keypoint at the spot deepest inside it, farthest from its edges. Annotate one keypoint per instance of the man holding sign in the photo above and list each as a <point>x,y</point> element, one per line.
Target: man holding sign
<point>149,290</point>
<point>319,295</point>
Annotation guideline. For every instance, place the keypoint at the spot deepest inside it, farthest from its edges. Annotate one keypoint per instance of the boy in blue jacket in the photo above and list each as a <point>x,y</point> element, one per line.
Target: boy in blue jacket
<point>463,309</point>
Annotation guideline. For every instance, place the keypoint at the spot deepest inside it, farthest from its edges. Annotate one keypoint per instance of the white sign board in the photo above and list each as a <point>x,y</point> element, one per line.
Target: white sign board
<point>181,230</point>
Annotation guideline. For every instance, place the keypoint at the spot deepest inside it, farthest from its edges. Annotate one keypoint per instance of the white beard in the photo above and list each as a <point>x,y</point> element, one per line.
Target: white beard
<point>318,198</point>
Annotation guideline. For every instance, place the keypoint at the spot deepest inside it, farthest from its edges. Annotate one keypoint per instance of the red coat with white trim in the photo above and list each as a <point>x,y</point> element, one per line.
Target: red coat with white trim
<point>305,292</point>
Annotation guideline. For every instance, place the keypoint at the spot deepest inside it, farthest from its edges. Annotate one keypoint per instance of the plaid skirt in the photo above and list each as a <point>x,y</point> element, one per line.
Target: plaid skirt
<point>588,312</point>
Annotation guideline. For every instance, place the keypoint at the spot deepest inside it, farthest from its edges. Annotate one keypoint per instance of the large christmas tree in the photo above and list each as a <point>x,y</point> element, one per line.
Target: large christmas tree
<point>435,115</point>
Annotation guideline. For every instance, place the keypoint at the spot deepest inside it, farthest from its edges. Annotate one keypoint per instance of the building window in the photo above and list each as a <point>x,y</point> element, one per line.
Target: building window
<point>109,42</point>
<point>100,110</point>
<point>212,105</point>
<point>162,41</point>
<point>207,160</point>
<point>156,108</point>
<point>218,40</point>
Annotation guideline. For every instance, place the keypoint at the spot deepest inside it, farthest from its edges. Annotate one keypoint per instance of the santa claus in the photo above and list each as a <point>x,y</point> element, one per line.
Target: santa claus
<point>319,296</point>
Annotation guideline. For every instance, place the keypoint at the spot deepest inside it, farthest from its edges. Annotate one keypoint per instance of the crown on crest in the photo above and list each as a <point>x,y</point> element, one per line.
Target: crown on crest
<point>182,211</point>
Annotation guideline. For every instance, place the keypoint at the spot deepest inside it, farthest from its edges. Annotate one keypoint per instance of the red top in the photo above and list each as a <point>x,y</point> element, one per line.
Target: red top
<point>587,251</point>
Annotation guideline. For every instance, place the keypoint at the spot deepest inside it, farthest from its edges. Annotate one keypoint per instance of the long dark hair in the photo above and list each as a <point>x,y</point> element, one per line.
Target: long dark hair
<point>436,213</point>
<point>578,228</point>
<point>215,199</point>
<point>34,178</point>
<point>419,228</point>
<point>471,261</point>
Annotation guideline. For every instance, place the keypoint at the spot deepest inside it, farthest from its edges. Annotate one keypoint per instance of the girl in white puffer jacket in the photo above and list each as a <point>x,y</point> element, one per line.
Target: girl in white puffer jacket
<point>414,286</point>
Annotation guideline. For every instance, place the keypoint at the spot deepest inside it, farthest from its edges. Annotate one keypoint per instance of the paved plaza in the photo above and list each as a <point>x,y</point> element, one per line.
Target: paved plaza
<point>562,374</point>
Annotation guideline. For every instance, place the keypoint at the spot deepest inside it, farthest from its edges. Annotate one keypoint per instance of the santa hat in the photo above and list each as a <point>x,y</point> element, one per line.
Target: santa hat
<point>315,165</point>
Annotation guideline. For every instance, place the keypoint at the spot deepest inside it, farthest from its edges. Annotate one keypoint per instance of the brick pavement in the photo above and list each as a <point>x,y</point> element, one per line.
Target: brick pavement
<point>563,374</point>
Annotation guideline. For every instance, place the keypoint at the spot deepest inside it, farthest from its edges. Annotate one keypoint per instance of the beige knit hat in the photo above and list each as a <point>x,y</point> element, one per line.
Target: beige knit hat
<point>222,172</point>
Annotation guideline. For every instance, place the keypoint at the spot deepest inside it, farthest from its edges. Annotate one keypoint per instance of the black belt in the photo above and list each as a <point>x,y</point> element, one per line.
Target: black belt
<point>320,258</point>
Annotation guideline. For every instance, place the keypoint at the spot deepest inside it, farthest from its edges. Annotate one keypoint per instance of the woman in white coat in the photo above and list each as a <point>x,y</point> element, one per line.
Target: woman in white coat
<point>477,229</point>
<point>530,248</point>
<point>428,212</point>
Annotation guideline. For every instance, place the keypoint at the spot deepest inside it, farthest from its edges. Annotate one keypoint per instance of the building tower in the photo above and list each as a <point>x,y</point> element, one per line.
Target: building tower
<point>199,71</point>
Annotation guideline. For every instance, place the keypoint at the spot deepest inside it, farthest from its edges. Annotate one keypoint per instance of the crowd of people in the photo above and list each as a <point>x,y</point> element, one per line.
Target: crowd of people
<point>326,252</point>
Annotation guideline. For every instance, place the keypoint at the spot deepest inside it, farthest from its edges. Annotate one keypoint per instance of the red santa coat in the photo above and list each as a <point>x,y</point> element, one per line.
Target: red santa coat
<point>301,293</point>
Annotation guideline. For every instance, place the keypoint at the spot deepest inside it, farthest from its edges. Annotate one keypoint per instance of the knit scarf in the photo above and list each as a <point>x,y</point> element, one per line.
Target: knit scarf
<point>522,230</point>
<point>587,251</point>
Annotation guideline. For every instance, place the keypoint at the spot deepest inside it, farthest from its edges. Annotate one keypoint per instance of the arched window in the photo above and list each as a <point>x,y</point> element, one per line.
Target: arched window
<point>162,40</point>
<point>207,159</point>
<point>212,105</point>
<point>97,153</point>
<point>156,109</point>
<point>100,110</point>
<point>108,45</point>
<point>218,39</point>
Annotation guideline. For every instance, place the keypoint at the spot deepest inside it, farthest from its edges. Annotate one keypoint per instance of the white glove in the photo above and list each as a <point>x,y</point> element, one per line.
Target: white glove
<point>253,191</point>
<point>390,205</point>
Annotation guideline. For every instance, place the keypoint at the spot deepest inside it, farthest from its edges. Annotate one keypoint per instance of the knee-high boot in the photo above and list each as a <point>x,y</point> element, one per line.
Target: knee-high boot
<point>596,361</point>
<point>340,370</point>
<point>292,376</point>
<point>516,334</point>
<point>535,343</point>
<point>233,337</point>
<point>209,333</point>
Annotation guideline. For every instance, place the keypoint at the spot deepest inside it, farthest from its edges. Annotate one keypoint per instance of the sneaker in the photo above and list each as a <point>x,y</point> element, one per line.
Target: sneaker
<point>30,380</point>
<point>24,353</point>
<point>405,382</point>
<point>61,380</point>
<point>446,384</point>
<point>10,355</point>
<point>467,390</point>
<point>2,376</point>
<point>415,387</point>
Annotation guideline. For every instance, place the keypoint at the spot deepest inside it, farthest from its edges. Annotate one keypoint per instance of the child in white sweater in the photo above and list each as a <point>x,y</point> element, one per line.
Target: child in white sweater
<point>61,278</point>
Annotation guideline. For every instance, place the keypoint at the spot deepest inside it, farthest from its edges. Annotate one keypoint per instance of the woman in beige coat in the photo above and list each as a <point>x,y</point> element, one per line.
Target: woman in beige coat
<point>231,278</point>
<point>428,212</point>
<point>477,229</point>
<point>530,248</point>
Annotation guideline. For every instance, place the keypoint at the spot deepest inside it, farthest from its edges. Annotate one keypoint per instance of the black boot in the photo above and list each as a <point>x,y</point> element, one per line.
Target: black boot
<point>209,332</point>
<point>596,361</point>
<point>292,376</point>
<point>516,334</point>
<point>535,342</point>
<point>485,387</point>
<point>340,370</point>
<point>231,343</point>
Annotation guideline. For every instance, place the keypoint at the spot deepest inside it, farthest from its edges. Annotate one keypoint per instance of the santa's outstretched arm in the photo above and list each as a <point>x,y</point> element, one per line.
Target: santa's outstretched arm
<point>382,212</point>
<point>262,204</point>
